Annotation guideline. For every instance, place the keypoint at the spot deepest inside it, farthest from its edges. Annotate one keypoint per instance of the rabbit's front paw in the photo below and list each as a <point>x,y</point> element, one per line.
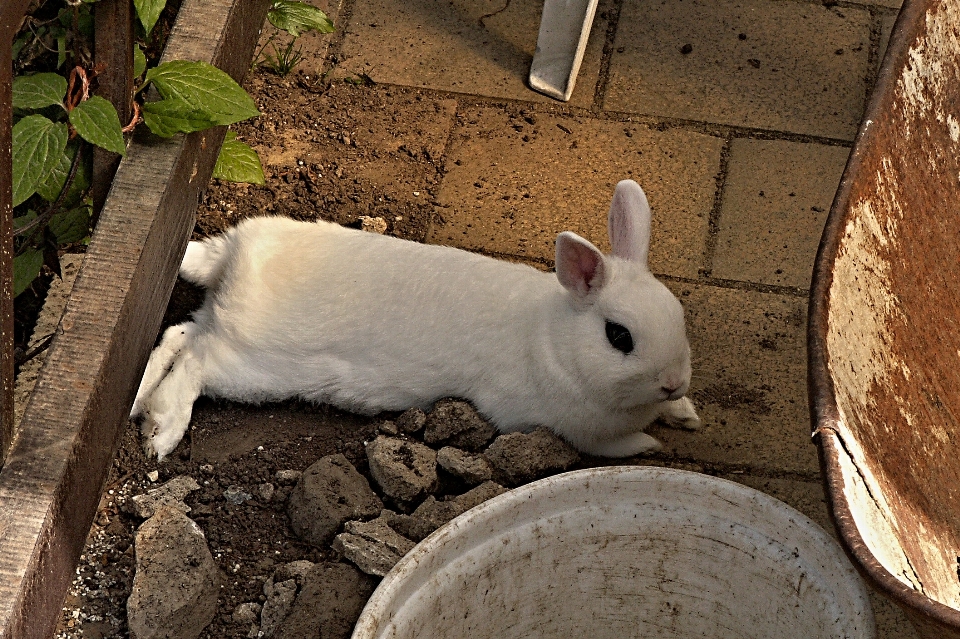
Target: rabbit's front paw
<point>158,441</point>
<point>627,446</point>
<point>680,413</point>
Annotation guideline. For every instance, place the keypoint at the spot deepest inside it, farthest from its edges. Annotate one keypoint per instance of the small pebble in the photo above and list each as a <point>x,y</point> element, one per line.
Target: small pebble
<point>236,495</point>
<point>266,491</point>
<point>287,477</point>
<point>388,427</point>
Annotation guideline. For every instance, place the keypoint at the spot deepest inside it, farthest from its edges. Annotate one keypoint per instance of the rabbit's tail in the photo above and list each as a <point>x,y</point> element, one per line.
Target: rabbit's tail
<point>204,261</point>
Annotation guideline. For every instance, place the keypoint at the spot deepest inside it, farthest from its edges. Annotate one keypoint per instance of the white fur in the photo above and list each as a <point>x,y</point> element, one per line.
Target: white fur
<point>371,323</point>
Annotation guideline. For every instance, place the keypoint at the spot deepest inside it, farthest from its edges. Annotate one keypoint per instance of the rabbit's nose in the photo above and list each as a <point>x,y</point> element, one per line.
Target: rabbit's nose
<point>673,390</point>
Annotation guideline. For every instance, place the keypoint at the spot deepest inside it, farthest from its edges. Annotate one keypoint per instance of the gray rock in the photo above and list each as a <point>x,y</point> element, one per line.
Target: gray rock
<point>437,513</point>
<point>236,495</point>
<point>266,491</point>
<point>293,570</point>
<point>412,421</point>
<point>367,223</point>
<point>328,494</point>
<point>373,546</point>
<point>483,492</point>
<point>331,598</point>
<point>456,423</point>
<point>277,606</point>
<point>388,428</point>
<point>288,477</point>
<point>472,469</point>
<point>410,526</point>
<point>518,458</point>
<point>248,613</point>
<point>175,588</point>
<point>404,470</point>
<point>169,494</point>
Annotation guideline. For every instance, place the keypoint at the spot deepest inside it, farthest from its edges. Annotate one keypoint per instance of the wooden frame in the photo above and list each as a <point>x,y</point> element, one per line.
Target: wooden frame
<point>51,483</point>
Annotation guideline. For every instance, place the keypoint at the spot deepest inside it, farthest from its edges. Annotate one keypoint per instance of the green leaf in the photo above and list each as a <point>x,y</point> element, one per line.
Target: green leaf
<point>26,268</point>
<point>237,162</point>
<point>71,226</point>
<point>97,122</point>
<point>296,17</point>
<point>21,220</point>
<point>139,61</point>
<point>50,188</point>
<point>203,88</point>
<point>38,145</point>
<point>61,50</point>
<point>169,117</point>
<point>38,91</point>
<point>149,11</point>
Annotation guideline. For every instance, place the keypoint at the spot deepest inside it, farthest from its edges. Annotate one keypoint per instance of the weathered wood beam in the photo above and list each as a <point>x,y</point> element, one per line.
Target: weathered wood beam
<point>11,15</point>
<point>113,56</point>
<point>51,484</point>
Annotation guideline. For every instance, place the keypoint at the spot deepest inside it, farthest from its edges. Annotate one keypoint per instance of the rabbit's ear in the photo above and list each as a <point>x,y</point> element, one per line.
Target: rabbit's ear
<point>628,222</point>
<point>580,267</point>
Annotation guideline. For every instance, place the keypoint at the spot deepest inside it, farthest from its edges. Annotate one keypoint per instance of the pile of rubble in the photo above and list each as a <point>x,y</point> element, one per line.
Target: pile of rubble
<point>426,468</point>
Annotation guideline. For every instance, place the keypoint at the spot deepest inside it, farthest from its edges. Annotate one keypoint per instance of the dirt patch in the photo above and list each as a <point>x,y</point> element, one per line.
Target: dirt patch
<point>338,152</point>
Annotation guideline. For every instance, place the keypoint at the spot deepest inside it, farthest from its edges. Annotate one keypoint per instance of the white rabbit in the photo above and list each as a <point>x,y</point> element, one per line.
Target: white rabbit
<point>370,323</point>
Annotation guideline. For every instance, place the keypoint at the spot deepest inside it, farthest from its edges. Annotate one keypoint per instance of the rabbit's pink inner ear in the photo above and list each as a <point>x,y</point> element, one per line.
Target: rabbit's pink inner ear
<point>579,265</point>
<point>628,222</point>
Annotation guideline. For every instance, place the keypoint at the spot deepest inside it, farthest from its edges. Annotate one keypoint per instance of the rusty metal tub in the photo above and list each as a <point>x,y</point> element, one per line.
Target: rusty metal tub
<point>884,334</point>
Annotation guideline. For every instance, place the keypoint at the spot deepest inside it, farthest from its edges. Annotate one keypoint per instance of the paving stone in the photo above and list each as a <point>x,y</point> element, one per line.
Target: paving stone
<point>481,47</point>
<point>509,195</point>
<point>473,469</point>
<point>787,66</point>
<point>775,201</point>
<point>404,470</point>
<point>176,584</point>
<point>456,423</point>
<point>890,4</point>
<point>329,493</point>
<point>749,381</point>
<point>329,603</point>
<point>892,623</point>
<point>518,458</point>
<point>886,29</point>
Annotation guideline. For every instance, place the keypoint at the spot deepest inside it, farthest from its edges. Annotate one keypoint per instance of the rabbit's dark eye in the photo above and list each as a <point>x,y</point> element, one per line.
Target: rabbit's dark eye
<point>619,337</point>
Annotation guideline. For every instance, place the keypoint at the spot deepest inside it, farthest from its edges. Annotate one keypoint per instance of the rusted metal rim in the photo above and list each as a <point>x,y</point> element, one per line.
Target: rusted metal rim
<point>822,397</point>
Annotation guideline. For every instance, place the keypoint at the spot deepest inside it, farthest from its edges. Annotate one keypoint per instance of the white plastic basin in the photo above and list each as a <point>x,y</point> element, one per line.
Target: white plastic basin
<point>615,553</point>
